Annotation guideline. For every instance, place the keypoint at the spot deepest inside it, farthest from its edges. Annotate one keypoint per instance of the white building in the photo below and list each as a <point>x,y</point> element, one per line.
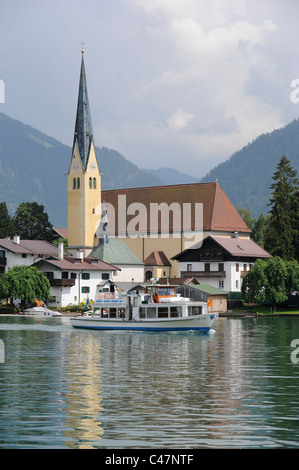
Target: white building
<point>74,279</point>
<point>17,252</point>
<point>220,261</point>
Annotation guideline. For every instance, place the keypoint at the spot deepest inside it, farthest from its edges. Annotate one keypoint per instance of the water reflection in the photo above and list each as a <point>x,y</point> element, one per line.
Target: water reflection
<point>62,387</point>
<point>83,369</point>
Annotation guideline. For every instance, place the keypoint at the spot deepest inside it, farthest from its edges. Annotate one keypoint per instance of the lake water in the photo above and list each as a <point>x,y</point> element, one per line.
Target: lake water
<point>64,388</point>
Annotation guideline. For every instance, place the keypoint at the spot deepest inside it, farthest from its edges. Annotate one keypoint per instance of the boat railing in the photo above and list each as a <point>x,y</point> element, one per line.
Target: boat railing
<point>110,297</point>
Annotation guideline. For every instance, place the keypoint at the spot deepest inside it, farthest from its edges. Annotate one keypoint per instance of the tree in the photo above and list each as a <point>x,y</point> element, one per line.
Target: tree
<point>6,222</point>
<point>257,226</point>
<point>296,225</point>
<point>32,223</point>
<point>26,283</point>
<point>279,239</point>
<point>259,229</point>
<point>271,281</point>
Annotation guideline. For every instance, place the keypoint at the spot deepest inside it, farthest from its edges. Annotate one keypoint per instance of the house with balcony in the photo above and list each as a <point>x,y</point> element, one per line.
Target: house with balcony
<point>220,262</point>
<point>74,279</point>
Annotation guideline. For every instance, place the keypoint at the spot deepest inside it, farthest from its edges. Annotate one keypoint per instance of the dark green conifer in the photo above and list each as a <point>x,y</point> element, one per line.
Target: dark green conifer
<point>281,233</point>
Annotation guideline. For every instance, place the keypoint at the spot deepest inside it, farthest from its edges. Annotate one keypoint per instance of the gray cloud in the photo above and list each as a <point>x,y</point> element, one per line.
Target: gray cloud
<point>171,83</point>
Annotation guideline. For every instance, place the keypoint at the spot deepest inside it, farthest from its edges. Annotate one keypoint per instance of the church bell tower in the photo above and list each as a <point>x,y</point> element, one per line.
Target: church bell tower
<point>84,178</point>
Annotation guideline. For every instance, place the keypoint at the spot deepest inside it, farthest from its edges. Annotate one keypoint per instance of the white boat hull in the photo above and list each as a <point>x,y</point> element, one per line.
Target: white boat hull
<point>201,323</point>
<point>41,312</point>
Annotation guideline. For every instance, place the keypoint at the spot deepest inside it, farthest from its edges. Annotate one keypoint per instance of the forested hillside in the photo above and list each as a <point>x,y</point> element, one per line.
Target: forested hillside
<point>247,175</point>
<point>33,168</point>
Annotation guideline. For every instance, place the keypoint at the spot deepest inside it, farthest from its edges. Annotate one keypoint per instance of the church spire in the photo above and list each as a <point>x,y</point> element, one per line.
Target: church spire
<point>83,128</point>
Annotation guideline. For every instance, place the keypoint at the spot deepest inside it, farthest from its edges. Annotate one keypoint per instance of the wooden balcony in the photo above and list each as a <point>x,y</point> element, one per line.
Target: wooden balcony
<point>62,282</point>
<point>218,274</point>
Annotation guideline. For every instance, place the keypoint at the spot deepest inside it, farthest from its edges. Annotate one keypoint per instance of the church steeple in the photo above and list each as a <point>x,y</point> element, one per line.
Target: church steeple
<point>84,178</point>
<point>83,128</point>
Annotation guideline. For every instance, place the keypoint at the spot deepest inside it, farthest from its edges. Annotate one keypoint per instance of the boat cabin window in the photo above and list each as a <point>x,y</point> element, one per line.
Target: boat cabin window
<point>151,312</point>
<point>175,312</point>
<point>163,312</point>
<point>194,310</point>
<point>112,312</point>
<point>166,291</point>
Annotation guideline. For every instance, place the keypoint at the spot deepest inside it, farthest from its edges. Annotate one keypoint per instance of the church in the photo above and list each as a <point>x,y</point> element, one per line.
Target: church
<point>142,227</point>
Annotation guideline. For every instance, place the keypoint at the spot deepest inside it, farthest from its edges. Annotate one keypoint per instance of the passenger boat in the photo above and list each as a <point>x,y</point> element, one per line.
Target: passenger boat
<point>40,309</point>
<point>157,308</point>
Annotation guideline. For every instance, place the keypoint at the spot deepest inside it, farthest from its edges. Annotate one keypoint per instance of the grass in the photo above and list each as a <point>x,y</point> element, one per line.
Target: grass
<point>265,310</point>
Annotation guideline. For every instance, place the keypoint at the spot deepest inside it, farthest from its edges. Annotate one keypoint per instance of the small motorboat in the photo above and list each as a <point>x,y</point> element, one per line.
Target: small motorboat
<point>40,309</point>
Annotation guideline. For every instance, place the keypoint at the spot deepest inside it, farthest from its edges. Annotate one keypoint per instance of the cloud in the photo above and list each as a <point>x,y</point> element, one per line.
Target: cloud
<point>170,81</point>
<point>179,119</point>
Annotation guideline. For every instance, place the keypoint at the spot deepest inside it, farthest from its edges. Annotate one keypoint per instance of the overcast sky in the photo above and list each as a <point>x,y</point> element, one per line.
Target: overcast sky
<point>181,83</point>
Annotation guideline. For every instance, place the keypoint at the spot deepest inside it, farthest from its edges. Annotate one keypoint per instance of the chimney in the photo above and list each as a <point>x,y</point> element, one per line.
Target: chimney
<point>235,234</point>
<point>16,239</point>
<point>60,250</point>
<point>80,255</point>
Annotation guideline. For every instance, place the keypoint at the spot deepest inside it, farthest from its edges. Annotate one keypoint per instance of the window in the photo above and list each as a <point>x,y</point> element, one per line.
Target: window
<point>74,183</point>
<point>163,312</point>
<point>237,267</point>
<point>207,267</point>
<point>90,183</point>
<point>64,275</point>
<point>220,284</point>
<point>245,267</point>
<point>85,290</point>
<point>94,183</point>
<point>175,312</point>
<point>112,312</point>
<point>221,267</point>
<point>195,310</point>
<point>189,267</point>
<point>85,276</point>
<point>50,275</point>
<point>237,284</point>
<point>78,183</point>
<point>105,276</point>
<point>151,312</point>
<point>2,254</point>
<point>24,255</point>
<point>73,276</point>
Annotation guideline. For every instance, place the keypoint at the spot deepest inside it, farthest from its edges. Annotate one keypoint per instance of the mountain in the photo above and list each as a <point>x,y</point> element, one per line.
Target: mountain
<point>171,176</point>
<point>247,175</point>
<point>33,167</point>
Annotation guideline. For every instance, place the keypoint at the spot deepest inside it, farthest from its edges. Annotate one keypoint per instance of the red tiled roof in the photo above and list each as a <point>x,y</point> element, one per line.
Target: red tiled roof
<point>239,247</point>
<point>157,258</point>
<point>29,247</point>
<point>242,247</point>
<point>219,214</point>
<point>63,232</point>
<point>87,264</point>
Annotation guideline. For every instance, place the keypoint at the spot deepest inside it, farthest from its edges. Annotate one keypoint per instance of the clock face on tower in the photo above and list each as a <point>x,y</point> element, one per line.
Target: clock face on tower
<point>92,166</point>
<point>76,166</point>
